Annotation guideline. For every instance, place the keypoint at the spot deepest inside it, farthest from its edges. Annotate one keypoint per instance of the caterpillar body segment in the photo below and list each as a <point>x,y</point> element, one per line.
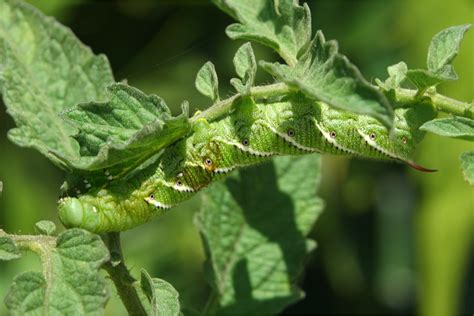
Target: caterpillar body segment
<point>252,133</point>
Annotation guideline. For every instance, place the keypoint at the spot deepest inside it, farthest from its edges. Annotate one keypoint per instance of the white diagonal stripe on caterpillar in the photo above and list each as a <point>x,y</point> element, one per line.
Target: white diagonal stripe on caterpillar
<point>157,204</point>
<point>377,147</point>
<point>333,141</point>
<point>176,187</point>
<point>225,170</point>
<point>293,142</point>
<point>248,149</point>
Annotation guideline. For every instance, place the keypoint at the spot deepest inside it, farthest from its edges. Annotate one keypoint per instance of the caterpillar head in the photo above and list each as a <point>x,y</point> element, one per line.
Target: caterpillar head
<point>76,213</point>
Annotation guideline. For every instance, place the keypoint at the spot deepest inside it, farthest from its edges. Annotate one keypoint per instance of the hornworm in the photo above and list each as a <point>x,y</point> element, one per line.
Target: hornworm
<point>253,132</point>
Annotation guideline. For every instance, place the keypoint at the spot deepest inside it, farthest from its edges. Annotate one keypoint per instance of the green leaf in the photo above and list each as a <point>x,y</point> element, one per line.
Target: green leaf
<point>207,82</point>
<point>397,74</point>
<point>162,296</point>
<point>8,249</point>
<point>423,79</point>
<point>46,227</point>
<point>443,49</point>
<point>246,69</point>
<point>70,283</point>
<point>254,227</point>
<point>130,127</point>
<point>467,165</point>
<point>282,25</point>
<point>454,127</point>
<point>324,74</point>
<point>45,69</point>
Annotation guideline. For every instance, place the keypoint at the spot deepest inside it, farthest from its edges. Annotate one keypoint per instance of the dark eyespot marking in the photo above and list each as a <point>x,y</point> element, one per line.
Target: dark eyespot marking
<point>208,162</point>
<point>332,134</point>
<point>245,142</point>
<point>290,132</point>
<point>179,183</point>
<point>152,196</point>
<point>372,136</point>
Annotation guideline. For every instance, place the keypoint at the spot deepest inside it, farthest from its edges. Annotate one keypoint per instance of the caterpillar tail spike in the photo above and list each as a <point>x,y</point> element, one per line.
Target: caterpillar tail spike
<point>420,168</point>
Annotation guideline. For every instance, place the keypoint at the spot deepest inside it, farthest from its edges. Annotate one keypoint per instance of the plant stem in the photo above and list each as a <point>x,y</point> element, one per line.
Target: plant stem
<point>121,277</point>
<point>223,107</point>
<point>441,102</point>
<point>402,96</point>
<point>31,242</point>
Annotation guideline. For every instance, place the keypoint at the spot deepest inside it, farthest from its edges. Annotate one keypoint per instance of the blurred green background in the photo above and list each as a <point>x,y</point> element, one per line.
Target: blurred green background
<point>391,240</point>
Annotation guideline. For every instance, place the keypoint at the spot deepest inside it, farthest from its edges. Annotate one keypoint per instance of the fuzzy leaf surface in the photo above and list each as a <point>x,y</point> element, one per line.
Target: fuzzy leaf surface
<point>128,127</point>
<point>423,79</point>
<point>45,69</point>
<point>254,227</point>
<point>162,296</point>
<point>246,68</point>
<point>8,249</point>
<point>454,127</point>
<point>46,227</point>
<point>467,165</point>
<point>70,283</point>
<point>326,75</point>
<point>207,82</point>
<point>282,25</point>
<point>444,47</point>
<point>397,74</point>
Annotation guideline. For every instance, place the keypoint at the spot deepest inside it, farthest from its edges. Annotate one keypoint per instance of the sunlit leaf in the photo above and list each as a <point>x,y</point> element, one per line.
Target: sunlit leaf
<point>207,82</point>
<point>283,25</point>
<point>70,282</point>
<point>246,67</point>
<point>326,75</point>
<point>45,69</point>
<point>129,127</point>
<point>397,74</point>
<point>443,49</point>
<point>454,127</point>
<point>162,296</point>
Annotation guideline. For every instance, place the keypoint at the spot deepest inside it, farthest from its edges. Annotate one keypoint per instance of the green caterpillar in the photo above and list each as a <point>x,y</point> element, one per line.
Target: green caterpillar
<point>253,132</point>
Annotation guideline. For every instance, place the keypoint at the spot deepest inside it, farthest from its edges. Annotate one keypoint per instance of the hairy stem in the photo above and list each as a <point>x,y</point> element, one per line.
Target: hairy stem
<point>121,277</point>
<point>40,244</point>
<point>223,107</point>
<point>441,102</point>
<point>36,243</point>
<point>402,96</point>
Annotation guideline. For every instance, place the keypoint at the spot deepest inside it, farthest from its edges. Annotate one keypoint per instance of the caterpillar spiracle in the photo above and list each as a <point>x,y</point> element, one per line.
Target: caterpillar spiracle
<point>253,132</point>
